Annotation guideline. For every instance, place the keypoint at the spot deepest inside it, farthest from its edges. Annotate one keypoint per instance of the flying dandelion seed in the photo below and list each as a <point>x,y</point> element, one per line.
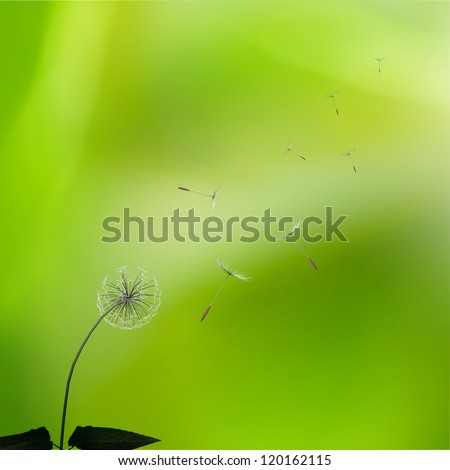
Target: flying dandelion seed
<point>123,302</point>
<point>229,273</point>
<point>349,155</point>
<point>213,196</point>
<point>290,234</point>
<point>289,149</point>
<point>379,59</point>
<point>332,96</point>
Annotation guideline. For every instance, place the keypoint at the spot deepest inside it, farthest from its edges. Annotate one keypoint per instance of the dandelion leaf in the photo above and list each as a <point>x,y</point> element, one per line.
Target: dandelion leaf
<point>96,438</point>
<point>35,439</point>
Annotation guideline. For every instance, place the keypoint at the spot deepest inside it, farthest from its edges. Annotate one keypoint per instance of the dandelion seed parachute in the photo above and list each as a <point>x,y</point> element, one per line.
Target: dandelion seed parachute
<point>289,149</point>
<point>213,196</point>
<point>349,155</point>
<point>290,234</point>
<point>332,96</point>
<point>230,273</point>
<point>379,60</point>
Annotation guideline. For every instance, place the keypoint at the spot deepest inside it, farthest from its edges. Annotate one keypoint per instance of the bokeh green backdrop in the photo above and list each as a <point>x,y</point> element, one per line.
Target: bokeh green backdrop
<point>106,105</point>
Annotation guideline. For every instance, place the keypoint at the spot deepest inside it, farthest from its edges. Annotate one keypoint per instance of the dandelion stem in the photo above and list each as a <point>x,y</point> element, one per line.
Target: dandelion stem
<point>69,378</point>
<point>220,288</point>
<point>215,297</point>
<point>192,191</point>
<point>203,194</point>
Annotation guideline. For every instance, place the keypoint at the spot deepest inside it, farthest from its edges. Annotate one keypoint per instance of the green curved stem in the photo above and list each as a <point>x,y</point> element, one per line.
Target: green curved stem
<point>69,378</point>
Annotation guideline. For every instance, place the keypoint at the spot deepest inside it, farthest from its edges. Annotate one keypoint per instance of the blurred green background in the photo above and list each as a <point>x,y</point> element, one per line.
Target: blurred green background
<point>107,105</point>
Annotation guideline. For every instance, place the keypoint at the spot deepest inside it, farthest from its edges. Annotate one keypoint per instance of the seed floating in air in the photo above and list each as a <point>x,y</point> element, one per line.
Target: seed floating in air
<point>289,149</point>
<point>332,96</point>
<point>349,155</point>
<point>379,59</point>
<point>290,234</point>
<point>229,273</point>
<point>213,196</point>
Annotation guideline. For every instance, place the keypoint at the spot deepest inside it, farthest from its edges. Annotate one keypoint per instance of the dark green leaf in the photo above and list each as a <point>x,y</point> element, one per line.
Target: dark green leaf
<point>95,438</point>
<point>35,439</point>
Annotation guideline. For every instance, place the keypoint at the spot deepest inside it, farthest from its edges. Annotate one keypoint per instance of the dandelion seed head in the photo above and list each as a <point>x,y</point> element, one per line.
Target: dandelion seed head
<point>131,302</point>
<point>332,95</point>
<point>231,272</point>
<point>379,59</point>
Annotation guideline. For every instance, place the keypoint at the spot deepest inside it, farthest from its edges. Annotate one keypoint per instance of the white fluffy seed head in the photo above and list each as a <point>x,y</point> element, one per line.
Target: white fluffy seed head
<point>131,301</point>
